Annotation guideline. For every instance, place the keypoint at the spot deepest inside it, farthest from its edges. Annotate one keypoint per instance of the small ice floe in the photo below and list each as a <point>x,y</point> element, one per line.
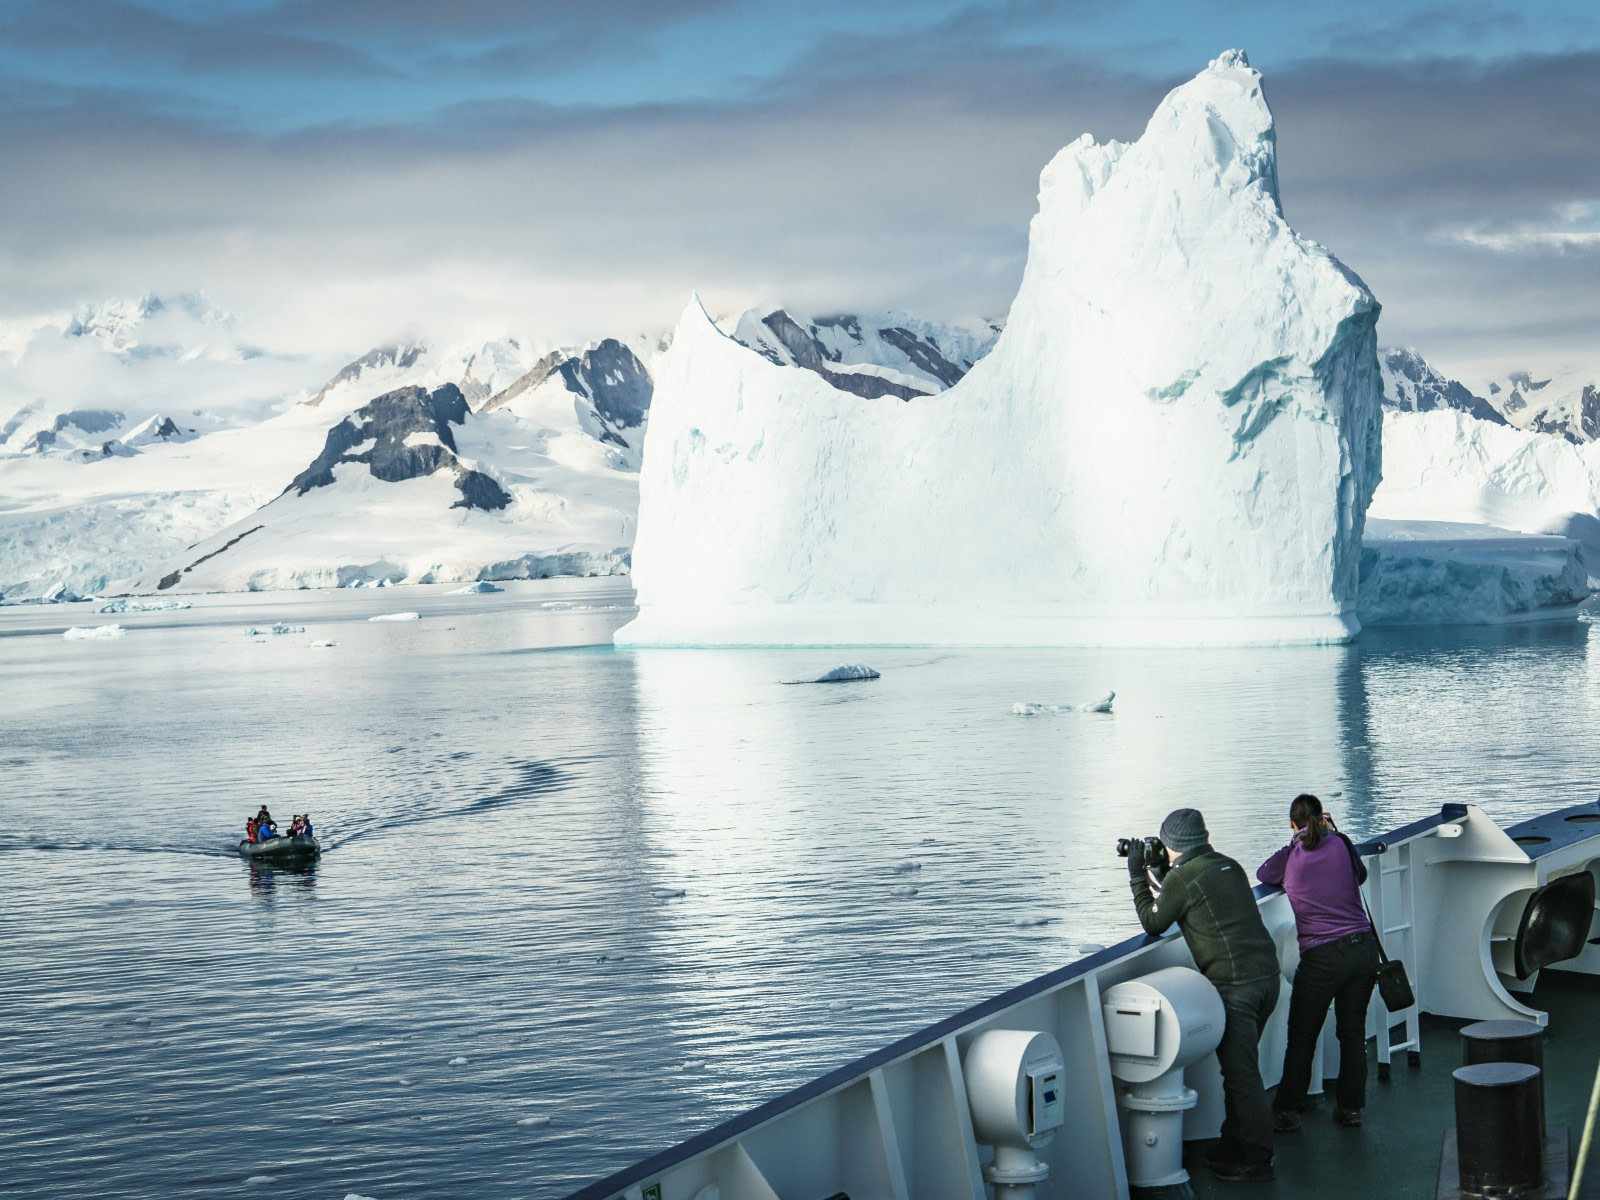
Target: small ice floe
<point>905,889</point>
<point>406,1081</point>
<point>127,606</point>
<point>536,1121</point>
<point>1090,948</point>
<point>323,644</point>
<point>482,587</point>
<point>458,1061</point>
<point>277,630</point>
<point>905,868</point>
<point>356,1196</point>
<point>838,1005</point>
<point>668,893</point>
<point>405,616</point>
<point>693,1064</point>
<point>262,1179</point>
<point>844,673</point>
<point>89,634</point>
<point>1031,922</point>
<point>1024,708</point>
<point>141,1020</point>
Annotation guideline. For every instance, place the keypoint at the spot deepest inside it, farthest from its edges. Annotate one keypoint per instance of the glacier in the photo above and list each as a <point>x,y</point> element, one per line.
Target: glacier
<point>1174,439</point>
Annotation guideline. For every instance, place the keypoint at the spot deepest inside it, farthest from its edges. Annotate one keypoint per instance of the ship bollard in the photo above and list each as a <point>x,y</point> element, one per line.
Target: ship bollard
<point>1499,1113</point>
<point>1156,1026</point>
<point>1507,1041</point>
<point>1016,1093</point>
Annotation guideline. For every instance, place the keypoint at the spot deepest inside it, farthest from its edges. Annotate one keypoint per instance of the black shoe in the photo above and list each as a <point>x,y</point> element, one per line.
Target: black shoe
<point>1350,1118</point>
<point>1224,1153</point>
<point>1245,1172</point>
<point>1286,1120</point>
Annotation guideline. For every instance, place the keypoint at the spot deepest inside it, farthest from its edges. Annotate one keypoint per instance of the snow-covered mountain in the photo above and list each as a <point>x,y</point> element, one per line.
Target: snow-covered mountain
<point>1160,446</point>
<point>1566,404</point>
<point>885,354</point>
<point>415,487</point>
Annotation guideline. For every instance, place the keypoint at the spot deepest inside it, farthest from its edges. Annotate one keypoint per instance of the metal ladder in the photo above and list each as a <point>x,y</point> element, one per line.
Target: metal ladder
<point>1391,898</point>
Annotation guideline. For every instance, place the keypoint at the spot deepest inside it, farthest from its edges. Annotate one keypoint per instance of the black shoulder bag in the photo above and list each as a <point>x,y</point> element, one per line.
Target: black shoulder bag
<point>1393,986</point>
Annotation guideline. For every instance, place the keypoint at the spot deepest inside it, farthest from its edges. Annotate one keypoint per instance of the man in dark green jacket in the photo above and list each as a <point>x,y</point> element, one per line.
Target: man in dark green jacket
<point>1210,897</point>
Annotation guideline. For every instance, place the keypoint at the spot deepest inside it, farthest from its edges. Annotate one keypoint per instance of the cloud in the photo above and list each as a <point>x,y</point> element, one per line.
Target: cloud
<point>873,171</point>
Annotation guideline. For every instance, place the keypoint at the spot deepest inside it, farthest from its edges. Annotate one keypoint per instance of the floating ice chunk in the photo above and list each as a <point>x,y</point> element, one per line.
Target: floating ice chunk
<point>1031,922</point>
<point>905,868</point>
<point>532,1120</point>
<point>693,1064</point>
<point>668,893</point>
<point>482,587</point>
<point>844,673</point>
<point>905,889</point>
<point>141,1020</point>
<point>262,1179</point>
<point>324,644</point>
<point>458,1061</point>
<point>1023,708</point>
<point>838,1005</point>
<point>356,1196</point>
<point>87,634</point>
<point>1090,948</point>
<point>122,606</point>
<point>405,616</point>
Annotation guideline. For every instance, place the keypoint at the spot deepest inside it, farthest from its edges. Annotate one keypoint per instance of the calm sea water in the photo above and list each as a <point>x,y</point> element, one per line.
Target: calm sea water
<point>578,904</point>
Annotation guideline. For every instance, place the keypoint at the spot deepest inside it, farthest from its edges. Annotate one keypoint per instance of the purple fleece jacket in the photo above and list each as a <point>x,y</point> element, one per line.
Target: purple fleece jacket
<point>1323,889</point>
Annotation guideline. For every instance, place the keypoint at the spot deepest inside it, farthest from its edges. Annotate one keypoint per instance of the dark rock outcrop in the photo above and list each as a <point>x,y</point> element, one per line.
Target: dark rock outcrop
<point>608,375</point>
<point>1417,387</point>
<point>391,424</point>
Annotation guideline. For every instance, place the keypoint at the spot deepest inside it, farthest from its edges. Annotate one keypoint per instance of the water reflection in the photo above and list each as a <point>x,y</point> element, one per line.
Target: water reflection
<point>293,879</point>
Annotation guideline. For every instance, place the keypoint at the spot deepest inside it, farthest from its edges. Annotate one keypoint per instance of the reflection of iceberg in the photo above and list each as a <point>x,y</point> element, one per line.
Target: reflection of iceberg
<point>1174,440</point>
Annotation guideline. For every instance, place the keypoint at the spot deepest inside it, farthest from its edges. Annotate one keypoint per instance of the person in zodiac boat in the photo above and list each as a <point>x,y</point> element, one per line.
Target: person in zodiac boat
<point>264,841</point>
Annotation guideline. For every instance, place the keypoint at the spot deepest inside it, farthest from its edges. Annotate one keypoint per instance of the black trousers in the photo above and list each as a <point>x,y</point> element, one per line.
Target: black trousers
<point>1340,973</point>
<point>1247,1119</point>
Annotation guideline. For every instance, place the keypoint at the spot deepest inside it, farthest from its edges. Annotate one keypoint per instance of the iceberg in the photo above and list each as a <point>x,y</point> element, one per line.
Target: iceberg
<point>1174,440</point>
<point>399,616</point>
<point>1446,573</point>
<point>98,632</point>
<point>139,606</point>
<point>1451,467</point>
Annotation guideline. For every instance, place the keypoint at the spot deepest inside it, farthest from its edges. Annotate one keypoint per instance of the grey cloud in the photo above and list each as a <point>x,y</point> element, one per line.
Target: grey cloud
<point>131,34</point>
<point>881,181</point>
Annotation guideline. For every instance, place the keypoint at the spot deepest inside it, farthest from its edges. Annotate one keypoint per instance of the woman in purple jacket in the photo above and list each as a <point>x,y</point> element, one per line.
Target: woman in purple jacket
<point>1322,874</point>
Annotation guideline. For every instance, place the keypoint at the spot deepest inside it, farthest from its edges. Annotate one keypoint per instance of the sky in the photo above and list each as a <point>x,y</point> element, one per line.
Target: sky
<point>339,173</point>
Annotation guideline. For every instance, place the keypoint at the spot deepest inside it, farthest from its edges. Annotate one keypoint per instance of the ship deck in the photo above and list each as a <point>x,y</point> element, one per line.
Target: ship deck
<point>1396,1151</point>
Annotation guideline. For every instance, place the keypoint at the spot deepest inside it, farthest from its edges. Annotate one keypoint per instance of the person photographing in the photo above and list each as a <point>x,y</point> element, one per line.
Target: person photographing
<point>1209,897</point>
<point>1322,874</point>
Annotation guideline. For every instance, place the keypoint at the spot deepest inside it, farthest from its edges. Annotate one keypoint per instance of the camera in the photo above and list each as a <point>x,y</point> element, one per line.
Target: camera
<point>1155,853</point>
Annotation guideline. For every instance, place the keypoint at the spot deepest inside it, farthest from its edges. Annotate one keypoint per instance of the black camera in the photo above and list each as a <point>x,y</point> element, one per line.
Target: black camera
<point>1155,853</point>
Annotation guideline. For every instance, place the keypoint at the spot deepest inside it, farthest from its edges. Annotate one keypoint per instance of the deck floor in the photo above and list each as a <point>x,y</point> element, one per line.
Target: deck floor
<point>1396,1151</point>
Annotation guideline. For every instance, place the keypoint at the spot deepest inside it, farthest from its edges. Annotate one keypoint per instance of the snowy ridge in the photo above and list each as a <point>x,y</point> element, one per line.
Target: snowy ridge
<point>1174,439</point>
<point>887,354</point>
<point>414,487</point>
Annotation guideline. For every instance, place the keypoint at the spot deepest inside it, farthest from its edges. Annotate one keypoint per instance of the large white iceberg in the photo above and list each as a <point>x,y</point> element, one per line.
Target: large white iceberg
<point>1448,466</point>
<point>1174,440</point>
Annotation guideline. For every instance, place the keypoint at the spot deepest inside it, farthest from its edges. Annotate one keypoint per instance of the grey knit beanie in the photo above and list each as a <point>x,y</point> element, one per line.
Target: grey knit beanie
<point>1184,830</point>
